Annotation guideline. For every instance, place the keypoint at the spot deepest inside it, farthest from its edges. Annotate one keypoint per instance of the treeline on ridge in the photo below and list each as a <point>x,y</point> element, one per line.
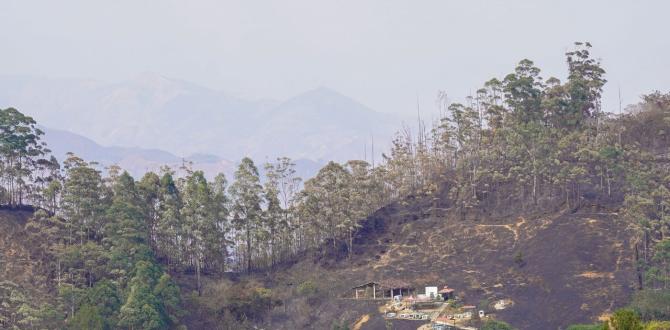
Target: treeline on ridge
<point>109,242</point>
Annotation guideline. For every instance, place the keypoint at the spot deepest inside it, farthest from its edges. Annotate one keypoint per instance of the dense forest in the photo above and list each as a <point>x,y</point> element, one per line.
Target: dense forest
<point>112,245</point>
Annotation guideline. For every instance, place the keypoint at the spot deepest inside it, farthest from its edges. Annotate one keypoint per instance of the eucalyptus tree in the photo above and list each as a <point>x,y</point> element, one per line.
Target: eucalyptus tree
<point>170,227</point>
<point>327,193</point>
<point>199,217</point>
<point>81,199</point>
<point>149,191</point>
<point>216,238</point>
<point>360,189</point>
<point>20,148</point>
<point>523,94</point>
<point>246,196</point>
<point>274,219</point>
<point>126,232</point>
<point>288,185</point>
<point>584,86</point>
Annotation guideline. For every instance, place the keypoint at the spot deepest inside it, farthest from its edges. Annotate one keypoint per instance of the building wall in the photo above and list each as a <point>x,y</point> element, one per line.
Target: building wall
<point>431,291</point>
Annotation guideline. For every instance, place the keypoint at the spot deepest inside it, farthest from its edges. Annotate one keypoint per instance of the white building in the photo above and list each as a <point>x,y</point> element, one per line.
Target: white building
<point>431,291</point>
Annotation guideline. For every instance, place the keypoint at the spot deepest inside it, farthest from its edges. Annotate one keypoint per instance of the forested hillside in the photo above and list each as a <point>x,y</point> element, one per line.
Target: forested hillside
<point>530,160</point>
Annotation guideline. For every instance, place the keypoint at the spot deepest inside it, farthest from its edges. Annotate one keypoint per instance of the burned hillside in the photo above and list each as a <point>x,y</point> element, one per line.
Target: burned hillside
<point>527,203</point>
<point>559,266</point>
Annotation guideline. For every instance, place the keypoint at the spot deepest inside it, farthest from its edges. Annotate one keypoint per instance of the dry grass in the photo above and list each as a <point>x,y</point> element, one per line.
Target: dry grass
<point>595,275</point>
<point>361,321</point>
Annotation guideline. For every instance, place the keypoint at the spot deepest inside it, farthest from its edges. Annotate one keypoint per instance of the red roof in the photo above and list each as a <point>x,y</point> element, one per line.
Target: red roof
<point>443,319</point>
<point>446,290</point>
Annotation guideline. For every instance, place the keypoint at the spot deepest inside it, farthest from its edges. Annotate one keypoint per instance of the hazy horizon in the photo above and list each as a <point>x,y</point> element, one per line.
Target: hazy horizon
<point>387,55</point>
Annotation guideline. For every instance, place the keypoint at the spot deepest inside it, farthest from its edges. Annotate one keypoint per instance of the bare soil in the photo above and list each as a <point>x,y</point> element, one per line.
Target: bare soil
<point>575,264</point>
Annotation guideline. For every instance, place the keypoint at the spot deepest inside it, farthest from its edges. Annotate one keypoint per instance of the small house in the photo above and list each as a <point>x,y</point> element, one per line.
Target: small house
<point>384,289</point>
<point>395,287</point>
<point>446,293</point>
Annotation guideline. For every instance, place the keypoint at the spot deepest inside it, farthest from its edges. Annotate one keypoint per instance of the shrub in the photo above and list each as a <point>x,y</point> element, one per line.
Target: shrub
<point>484,305</point>
<point>496,325</point>
<point>658,325</point>
<point>652,304</point>
<point>340,326</point>
<point>87,317</point>
<point>250,302</point>
<point>588,327</point>
<point>518,259</point>
<point>307,288</point>
<point>626,319</point>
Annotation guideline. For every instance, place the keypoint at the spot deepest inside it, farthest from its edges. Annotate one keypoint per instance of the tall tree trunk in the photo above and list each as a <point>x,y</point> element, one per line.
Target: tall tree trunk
<point>646,245</point>
<point>248,247</point>
<point>638,268</point>
<point>272,249</point>
<point>351,242</point>
<point>59,272</point>
<point>197,272</point>
<point>609,185</point>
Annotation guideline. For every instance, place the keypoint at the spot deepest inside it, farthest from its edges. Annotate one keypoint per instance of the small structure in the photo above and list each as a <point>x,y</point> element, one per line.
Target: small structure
<point>366,291</point>
<point>431,291</point>
<point>500,304</point>
<point>385,289</point>
<point>445,320</point>
<point>481,314</point>
<point>393,287</point>
<point>463,316</point>
<point>447,293</point>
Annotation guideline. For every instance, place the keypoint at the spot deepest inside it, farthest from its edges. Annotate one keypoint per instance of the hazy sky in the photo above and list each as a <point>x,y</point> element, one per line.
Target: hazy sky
<point>383,53</point>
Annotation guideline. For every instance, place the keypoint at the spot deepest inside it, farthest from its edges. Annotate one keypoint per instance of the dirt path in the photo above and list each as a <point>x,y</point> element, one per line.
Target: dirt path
<point>514,228</point>
<point>365,318</point>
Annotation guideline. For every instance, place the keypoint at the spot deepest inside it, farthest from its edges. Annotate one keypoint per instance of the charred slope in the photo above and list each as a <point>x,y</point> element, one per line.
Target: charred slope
<point>575,265</point>
<point>559,267</point>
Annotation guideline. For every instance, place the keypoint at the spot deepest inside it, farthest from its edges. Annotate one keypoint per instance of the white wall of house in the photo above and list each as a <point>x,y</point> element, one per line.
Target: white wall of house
<point>431,291</point>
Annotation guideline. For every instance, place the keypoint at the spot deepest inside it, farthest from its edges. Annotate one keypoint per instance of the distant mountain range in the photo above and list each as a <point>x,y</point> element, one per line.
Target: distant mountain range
<point>138,161</point>
<point>158,113</point>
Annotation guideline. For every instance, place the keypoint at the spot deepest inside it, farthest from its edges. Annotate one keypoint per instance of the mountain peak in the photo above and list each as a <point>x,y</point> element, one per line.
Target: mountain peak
<point>149,76</point>
<point>152,80</point>
<point>323,98</point>
<point>323,91</point>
